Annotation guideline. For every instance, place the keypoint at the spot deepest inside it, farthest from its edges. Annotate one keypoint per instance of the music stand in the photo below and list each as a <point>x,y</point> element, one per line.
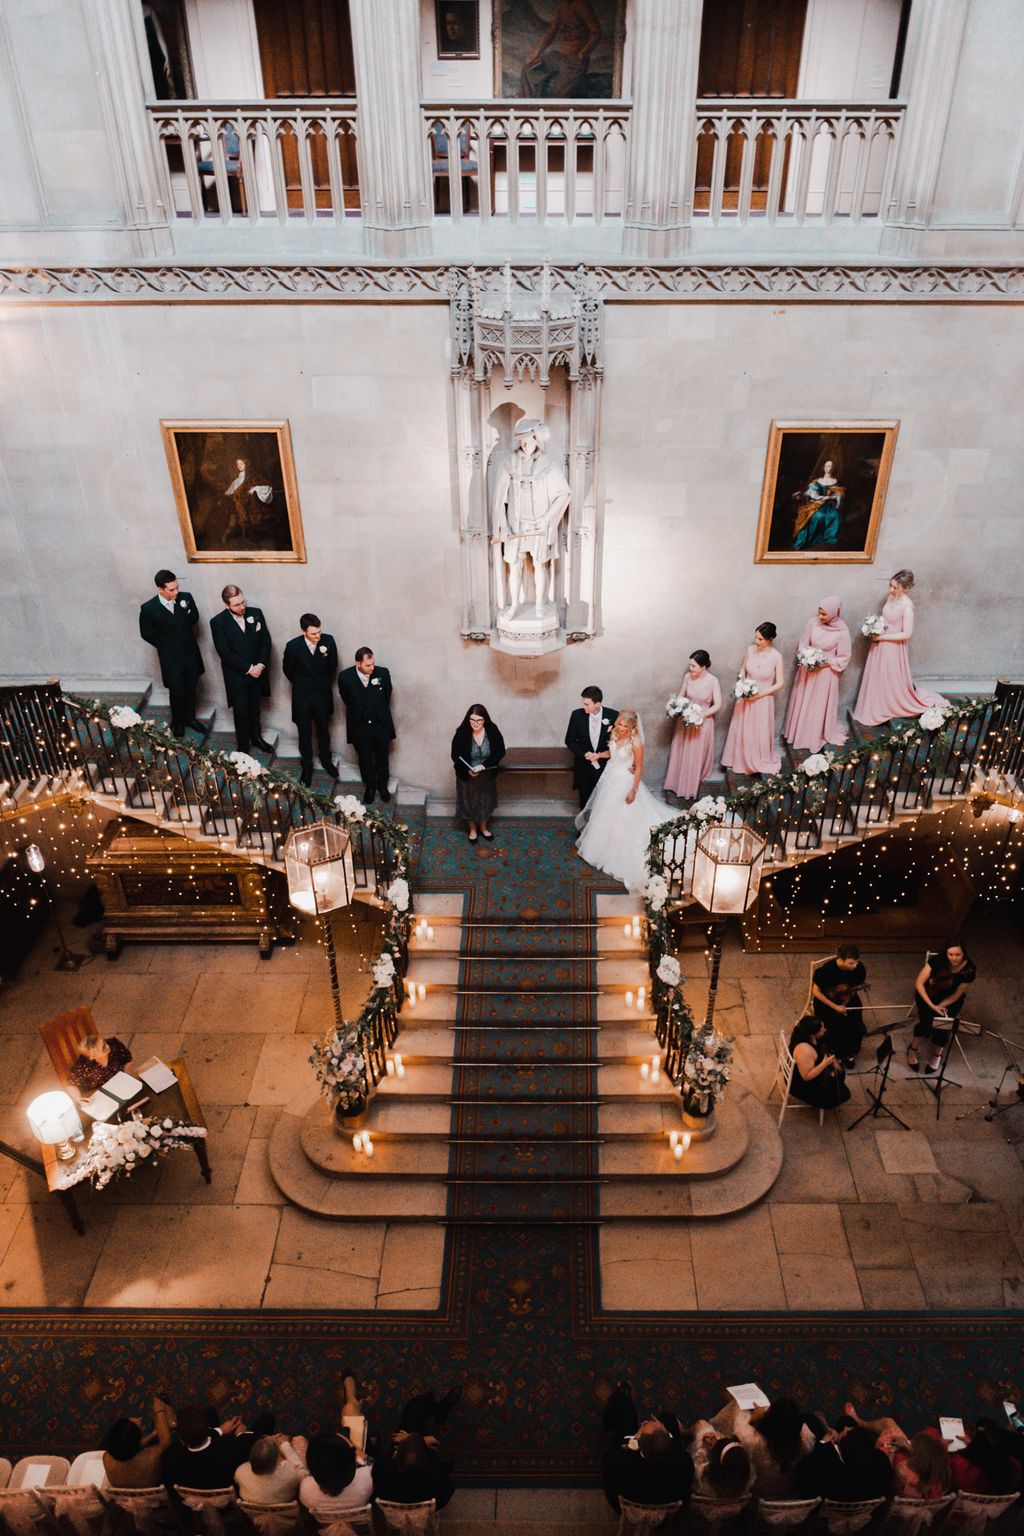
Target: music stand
<point>938,1082</point>
<point>1012,1065</point>
<point>883,1061</point>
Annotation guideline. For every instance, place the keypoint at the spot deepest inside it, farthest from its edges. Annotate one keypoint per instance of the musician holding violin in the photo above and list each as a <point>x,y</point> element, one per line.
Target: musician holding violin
<point>835,994</point>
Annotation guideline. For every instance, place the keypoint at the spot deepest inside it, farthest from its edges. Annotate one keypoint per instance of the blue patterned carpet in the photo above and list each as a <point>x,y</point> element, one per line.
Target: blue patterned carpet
<point>521,1324</point>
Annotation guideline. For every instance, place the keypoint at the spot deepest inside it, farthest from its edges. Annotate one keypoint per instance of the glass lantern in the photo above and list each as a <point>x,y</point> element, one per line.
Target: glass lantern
<point>727,869</point>
<point>319,867</point>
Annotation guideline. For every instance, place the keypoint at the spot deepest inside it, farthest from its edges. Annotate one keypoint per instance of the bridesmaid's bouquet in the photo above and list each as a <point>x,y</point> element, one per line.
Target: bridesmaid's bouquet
<point>745,688</point>
<point>811,657</point>
<point>686,711</point>
<point>873,625</point>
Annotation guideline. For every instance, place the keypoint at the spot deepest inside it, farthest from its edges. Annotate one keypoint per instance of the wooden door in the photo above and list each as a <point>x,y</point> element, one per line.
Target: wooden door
<point>306,51</point>
<point>747,48</point>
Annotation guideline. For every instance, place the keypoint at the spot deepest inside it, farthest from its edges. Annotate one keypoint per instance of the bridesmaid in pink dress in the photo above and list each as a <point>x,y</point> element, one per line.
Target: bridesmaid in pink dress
<point>812,718</point>
<point>692,754</point>
<point>750,745</point>
<point>887,689</point>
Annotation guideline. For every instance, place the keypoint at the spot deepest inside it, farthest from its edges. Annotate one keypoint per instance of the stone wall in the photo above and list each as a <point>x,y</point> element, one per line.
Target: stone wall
<point>690,391</point>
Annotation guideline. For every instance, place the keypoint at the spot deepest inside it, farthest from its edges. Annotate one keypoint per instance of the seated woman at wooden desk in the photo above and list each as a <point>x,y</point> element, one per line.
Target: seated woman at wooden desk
<point>98,1061</point>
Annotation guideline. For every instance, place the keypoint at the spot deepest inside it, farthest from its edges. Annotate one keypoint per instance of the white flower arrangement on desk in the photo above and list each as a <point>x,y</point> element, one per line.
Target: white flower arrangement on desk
<point>340,1067</point>
<point>687,711</point>
<point>706,1070</point>
<point>811,657</point>
<point>669,971</point>
<point>115,1149</point>
<point>656,892</point>
<point>933,718</point>
<point>814,765</point>
<point>745,688</point>
<point>245,766</point>
<point>351,807</point>
<point>398,895</point>
<point>123,717</point>
<point>384,972</point>
<point>709,808</point>
<point>873,625</point>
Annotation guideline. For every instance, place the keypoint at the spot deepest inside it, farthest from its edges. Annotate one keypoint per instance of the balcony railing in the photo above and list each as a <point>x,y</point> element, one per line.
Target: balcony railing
<point>794,162</point>
<point>260,162</point>
<point>528,161</point>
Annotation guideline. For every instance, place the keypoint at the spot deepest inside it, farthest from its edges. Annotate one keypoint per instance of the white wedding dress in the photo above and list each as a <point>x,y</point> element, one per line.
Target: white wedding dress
<point>614,835</point>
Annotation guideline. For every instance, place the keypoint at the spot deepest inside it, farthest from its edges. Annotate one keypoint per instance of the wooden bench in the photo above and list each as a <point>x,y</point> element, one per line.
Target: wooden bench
<point>537,760</point>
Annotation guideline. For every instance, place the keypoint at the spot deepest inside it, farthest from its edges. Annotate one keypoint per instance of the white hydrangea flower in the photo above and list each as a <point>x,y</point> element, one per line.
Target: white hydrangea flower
<point>245,766</point>
<point>668,971</point>
<point>398,895</point>
<point>932,719</point>
<point>384,971</point>
<point>122,716</point>
<point>709,808</point>
<point>656,892</point>
<point>351,807</point>
<point>815,764</point>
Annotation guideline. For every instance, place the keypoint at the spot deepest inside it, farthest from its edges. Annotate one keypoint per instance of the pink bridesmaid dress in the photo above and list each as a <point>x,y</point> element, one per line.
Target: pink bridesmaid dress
<point>812,718</point>
<point>692,754</point>
<point>887,689</point>
<point>750,745</point>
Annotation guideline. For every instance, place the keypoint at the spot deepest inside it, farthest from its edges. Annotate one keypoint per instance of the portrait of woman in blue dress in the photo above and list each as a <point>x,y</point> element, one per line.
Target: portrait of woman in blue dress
<point>818,520</point>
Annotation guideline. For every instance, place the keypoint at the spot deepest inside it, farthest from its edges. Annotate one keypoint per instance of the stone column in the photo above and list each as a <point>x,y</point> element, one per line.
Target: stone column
<point>394,173</point>
<point>659,189</point>
<point>117,40</point>
<point>934,41</point>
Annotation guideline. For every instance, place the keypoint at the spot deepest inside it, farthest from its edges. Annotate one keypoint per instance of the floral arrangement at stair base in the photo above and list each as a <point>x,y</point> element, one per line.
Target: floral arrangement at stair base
<point>339,1066</point>
<point>707,1069</point>
<point>119,1149</point>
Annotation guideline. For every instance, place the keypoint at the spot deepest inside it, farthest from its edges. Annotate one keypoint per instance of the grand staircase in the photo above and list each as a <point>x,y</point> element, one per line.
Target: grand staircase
<point>522,1100</point>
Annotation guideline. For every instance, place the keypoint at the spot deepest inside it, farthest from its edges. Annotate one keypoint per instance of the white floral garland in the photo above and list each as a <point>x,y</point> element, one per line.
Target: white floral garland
<point>121,1148</point>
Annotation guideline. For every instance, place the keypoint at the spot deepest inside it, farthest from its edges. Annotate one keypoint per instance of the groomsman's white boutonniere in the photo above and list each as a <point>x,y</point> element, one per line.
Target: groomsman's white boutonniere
<point>375,681</point>
<point>249,619</point>
<point>182,602</point>
<point>323,650</point>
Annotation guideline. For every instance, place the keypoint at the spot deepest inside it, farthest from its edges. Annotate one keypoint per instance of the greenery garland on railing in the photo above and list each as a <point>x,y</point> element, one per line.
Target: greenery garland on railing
<point>341,1059</point>
<point>677,1032</point>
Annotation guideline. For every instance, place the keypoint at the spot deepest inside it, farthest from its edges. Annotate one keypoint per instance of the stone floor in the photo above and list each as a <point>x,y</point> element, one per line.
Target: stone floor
<point>874,1217</point>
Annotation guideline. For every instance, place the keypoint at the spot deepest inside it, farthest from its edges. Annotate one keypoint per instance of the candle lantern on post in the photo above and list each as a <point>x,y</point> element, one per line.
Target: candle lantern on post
<point>321,880</point>
<point>726,874</point>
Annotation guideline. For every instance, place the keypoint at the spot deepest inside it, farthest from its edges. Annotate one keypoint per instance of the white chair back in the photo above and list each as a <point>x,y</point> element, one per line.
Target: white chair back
<point>714,1512</point>
<point>842,1519</point>
<point>148,1509</point>
<point>785,1514</point>
<point>909,1517</point>
<point>635,1519</point>
<point>354,1522</point>
<point>971,1512</point>
<point>274,1519</point>
<point>20,1514</point>
<point>784,1081</point>
<point>88,1471</point>
<point>5,1471</point>
<point>207,1503</point>
<point>409,1519</point>
<point>80,1506</point>
<point>27,1472</point>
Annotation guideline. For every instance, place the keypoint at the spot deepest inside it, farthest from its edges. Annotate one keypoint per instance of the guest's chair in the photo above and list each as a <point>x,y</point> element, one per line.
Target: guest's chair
<point>145,1510</point>
<point>358,1519</point>
<point>409,1519</point>
<point>207,1506</point>
<point>21,1513</point>
<point>842,1519</point>
<point>63,1038</point>
<point>275,1519</point>
<point>971,1512</point>
<point>784,1514</point>
<point>5,1471</point>
<point>87,1471</point>
<point>57,1469</point>
<point>909,1517</point>
<point>637,1519</point>
<point>784,1070</point>
<point>710,1514</point>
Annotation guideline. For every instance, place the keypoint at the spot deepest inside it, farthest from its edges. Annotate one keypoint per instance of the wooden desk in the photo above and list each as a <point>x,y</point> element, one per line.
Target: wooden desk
<point>179,1102</point>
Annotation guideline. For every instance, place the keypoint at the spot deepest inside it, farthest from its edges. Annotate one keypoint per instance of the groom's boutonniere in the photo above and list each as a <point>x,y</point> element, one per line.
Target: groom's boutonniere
<point>605,722</point>
<point>375,681</point>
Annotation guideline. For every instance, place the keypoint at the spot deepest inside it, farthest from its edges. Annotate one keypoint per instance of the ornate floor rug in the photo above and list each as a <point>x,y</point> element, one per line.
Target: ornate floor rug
<point>521,1325</point>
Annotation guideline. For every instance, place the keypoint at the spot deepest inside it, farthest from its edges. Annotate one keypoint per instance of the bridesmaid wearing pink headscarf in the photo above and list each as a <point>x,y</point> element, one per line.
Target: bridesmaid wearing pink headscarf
<point>812,718</point>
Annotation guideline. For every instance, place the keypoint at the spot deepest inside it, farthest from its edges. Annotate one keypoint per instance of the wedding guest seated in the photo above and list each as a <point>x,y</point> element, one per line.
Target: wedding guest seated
<point>415,1467</point>
<point>275,1468</point>
<point>836,999</point>
<point>204,1456</point>
<point>477,749</point>
<point>991,1462</point>
<point>818,1077</point>
<point>336,1481</point>
<point>645,1462</point>
<point>98,1061</point>
<point>132,1459</point>
<point>920,1465</point>
<point>776,1438</point>
<point>940,992</point>
<point>727,1471</point>
<point>845,1465</point>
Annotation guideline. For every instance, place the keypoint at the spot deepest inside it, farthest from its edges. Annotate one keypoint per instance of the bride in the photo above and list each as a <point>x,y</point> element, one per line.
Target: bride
<point>615,824</point>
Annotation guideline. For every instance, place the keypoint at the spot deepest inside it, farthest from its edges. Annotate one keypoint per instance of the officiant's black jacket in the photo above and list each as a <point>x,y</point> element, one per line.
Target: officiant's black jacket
<point>238,652</point>
<point>172,634</point>
<point>311,676</point>
<point>577,739</point>
<point>368,709</point>
<point>462,746</point>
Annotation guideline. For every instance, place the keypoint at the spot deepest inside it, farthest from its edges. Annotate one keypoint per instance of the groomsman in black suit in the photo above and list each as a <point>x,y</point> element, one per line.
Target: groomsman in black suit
<point>587,740</point>
<point>168,621</point>
<point>366,692</point>
<point>242,639</point>
<point>310,662</point>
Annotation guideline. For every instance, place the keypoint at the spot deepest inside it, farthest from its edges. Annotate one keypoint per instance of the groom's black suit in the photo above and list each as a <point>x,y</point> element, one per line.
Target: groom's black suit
<point>577,738</point>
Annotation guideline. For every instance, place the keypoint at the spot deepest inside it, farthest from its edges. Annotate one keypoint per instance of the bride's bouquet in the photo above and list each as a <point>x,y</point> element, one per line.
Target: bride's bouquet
<point>811,657</point>
<point>745,688</point>
<point>686,711</point>
<point>873,625</point>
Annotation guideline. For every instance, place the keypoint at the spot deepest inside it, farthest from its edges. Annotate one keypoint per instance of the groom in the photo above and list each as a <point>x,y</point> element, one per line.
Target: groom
<point>587,740</point>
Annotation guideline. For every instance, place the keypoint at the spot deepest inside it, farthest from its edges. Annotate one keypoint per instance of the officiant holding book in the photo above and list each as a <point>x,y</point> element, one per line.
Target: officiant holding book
<point>477,749</point>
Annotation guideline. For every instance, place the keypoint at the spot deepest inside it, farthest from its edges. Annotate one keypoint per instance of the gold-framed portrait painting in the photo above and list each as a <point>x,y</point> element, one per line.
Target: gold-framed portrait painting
<point>569,49</point>
<point>235,490</point>
<point>824,491</point>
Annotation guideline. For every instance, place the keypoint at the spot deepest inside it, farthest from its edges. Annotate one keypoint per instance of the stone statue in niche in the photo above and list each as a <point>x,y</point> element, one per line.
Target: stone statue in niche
<point>531,496</point>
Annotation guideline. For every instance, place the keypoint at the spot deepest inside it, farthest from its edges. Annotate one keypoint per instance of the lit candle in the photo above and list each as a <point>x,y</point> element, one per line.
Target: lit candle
<point>357,1142</point>
<point>412,994</point>
<point>645,1070</point>
<point>684,1141</point>
<point>673,1139</point>
<point>641,997</point>
<point>628,930</point>
<point>629,998</point>
<point>399,1066</point>
<point>367,1144</point>
<point>677,1151</point>
<point>430,934</point>
<point>390,1067</point>
<point>636,927</point>
<point>655,1063</point>
<point>422,991</point>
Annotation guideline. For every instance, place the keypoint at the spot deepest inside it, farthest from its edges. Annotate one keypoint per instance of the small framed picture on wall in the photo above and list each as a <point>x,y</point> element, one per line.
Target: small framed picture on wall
<point>234,486</point>
<point>458,29</point>
<point>824,491</point>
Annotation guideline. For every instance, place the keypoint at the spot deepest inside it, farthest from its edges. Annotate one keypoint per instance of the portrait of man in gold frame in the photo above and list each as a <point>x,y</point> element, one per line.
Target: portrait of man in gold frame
<point>824,491</point>
<point>235,490</point>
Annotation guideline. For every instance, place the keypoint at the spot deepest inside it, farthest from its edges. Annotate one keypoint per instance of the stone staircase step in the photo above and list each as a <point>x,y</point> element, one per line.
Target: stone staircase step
<point>434,1046</point>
